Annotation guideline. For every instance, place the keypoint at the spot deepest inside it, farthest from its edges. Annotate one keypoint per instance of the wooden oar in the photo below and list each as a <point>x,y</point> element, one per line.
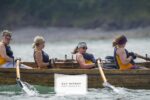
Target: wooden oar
<point>105,84</point>
<point>24,85</point>
<point>142,57</point>
<point>101,71</point>
<point>18,73</point>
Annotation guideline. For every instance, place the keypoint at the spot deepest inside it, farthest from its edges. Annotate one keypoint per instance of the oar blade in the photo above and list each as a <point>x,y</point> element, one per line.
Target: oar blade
<point>19,83</point>
<point>109,86</point>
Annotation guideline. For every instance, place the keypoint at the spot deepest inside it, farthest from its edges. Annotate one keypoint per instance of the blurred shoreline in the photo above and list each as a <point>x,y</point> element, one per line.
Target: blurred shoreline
<point>53,34</point>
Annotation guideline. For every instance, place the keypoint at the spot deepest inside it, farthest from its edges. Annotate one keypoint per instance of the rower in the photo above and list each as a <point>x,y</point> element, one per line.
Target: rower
<point>84,59</point>
<point>123,59</point>
<point>41,58</point>
<point>6,54</point>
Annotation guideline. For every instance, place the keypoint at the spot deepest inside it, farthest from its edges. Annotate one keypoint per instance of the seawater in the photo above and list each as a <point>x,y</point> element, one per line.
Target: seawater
<point>13,92</point>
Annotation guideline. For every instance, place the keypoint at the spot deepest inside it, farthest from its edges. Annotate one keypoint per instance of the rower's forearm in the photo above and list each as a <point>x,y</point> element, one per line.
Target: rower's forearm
<point>43,64</point>
<point>9,59</point>
<point>127,60</point>
<point>86,66</point>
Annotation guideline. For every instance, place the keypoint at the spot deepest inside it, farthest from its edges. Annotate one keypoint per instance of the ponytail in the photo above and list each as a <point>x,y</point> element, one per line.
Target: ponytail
<point>119,40</point>
<point>75,50</point>
<point>114,43</point>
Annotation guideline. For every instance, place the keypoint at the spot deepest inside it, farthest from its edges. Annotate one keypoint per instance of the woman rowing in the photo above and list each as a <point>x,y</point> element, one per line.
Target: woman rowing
<point>124,59</point>
<point>41,58</point>
<point>84,59</point>
<point>6,54</point>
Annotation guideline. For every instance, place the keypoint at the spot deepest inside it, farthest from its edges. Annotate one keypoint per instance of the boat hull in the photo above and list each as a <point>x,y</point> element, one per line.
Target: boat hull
<point>137,79</point>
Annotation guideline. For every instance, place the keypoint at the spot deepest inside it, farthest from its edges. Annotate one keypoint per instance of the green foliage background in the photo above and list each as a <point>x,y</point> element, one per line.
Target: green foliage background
<point>107,14</point>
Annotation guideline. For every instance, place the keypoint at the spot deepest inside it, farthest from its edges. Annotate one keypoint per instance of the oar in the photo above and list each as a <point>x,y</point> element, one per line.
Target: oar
<point>24,85</point>
<point>142,57</point>
<point>101,71</point>
<point>105,84</point>
<point>18,73</point>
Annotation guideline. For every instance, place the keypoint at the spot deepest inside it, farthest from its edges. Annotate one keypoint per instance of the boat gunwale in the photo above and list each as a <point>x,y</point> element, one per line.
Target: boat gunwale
<point>78,71</point>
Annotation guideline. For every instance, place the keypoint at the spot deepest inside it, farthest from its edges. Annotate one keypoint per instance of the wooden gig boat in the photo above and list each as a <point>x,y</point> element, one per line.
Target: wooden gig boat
<point>129,78</point>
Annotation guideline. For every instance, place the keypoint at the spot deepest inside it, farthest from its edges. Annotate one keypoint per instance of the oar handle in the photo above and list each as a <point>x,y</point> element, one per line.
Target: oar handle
<point>142,57</point>
<point>101,71</point>
<point>18,69</point>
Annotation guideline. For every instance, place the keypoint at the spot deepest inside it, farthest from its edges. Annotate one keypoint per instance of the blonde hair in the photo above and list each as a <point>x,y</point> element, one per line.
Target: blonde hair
<point>37,41</point>
<point>6,32</point>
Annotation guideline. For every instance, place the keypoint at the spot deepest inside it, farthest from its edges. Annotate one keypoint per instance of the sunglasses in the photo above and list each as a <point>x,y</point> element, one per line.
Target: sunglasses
<point>84,47</point>
<point>8,37</point>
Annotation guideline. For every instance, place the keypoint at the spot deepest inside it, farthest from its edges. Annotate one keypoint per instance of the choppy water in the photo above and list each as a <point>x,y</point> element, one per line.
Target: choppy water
<point>12,92</point>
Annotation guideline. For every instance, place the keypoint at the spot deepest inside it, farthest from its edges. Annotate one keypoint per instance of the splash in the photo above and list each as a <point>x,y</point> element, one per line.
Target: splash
<point>28,89</point>
<point>108,85</point>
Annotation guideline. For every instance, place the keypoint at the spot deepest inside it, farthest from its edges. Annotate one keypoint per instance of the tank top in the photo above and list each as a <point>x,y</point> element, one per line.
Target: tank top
<point>9,53</point>
<point>45,58</point>
<point>87,61</point>
<point>89,58</point>
<point>119,63</point>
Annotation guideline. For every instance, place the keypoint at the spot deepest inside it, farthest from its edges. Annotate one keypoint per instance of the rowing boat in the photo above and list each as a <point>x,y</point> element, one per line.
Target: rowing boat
<point>138,79</point>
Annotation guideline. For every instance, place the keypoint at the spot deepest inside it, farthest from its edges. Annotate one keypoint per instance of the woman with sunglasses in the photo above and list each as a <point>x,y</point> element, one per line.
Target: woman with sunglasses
<point>6,54</point>
<point>41,58</point>
<point>84,59</point>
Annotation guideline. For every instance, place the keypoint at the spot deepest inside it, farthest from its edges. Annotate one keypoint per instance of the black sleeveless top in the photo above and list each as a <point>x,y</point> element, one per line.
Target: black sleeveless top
<point>89,56</point>
<point>45,58</point>
<point>9,52</point>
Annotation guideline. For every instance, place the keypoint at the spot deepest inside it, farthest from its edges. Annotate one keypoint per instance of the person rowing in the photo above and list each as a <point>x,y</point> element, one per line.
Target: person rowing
<point>123,59</point>
<point>41,58</point>
<point>6,54</point>
<point>84,59</point>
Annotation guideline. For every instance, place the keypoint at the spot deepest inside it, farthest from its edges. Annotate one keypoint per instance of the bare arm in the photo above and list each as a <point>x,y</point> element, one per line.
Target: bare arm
<point>3,53</point>
<point>82,63</point>
<point>38,58</point>
<point>122,54</point>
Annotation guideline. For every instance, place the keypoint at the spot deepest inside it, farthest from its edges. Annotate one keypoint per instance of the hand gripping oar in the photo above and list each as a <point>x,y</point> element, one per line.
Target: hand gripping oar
<point>18,73</point>
<point>105,84</point>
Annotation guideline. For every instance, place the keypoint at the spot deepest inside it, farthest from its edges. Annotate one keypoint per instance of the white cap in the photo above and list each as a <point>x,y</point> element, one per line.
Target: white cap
<point>81,44</point>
